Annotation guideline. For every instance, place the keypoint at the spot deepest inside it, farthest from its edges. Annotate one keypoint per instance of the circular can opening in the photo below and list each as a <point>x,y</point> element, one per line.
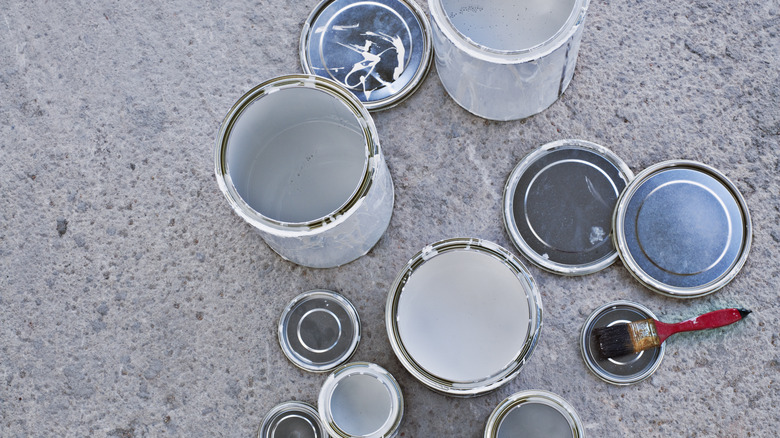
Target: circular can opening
<point>534,414</point>
<point>292,419</point>
<point>463,316</point>
<point>361,400</point>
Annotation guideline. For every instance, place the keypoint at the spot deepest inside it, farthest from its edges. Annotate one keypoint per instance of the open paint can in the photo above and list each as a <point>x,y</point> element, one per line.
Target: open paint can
<point>534,414</point>
<point>463,316</point>
<point>363,400</point>
<point>298,158</point>
<point>292,419</point>
<point>506,59</point>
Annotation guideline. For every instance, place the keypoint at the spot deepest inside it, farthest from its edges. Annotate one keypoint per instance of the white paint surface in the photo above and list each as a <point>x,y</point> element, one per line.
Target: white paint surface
<point>361,405</point>
<point>463,316</point>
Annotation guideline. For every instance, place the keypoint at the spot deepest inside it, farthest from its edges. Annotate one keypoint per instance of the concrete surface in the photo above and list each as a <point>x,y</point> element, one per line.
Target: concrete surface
<point>134,303</point>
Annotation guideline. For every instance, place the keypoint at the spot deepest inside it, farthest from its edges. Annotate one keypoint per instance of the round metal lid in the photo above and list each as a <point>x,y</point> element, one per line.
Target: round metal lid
<point>380,49</point>
<point>463,316</point>
<point>534,414</point>
<point>558,206</point>
<point>623,370</point>
<point>361,399</point>
<point>319,330</point>
<point>682,229</point>
<point>292,420</point>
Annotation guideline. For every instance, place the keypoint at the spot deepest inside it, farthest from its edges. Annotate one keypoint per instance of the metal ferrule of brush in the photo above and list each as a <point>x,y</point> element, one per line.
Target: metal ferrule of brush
<point>643,334</point>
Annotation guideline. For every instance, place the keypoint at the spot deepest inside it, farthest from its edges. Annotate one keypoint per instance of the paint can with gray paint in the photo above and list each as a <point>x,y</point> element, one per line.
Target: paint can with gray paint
<point>507,59</point>
<point>298,158</point>
<point>534,414</point>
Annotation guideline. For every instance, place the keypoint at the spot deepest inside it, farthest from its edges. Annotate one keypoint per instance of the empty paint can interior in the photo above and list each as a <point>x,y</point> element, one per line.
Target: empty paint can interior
<point>534,414</point>
<point>463,316</point>
<point>508,59</point>
<point>361,399</point>
<point>299,159</point>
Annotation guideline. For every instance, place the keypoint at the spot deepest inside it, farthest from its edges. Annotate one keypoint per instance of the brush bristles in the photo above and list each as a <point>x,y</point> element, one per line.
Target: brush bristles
<point>614,341</point>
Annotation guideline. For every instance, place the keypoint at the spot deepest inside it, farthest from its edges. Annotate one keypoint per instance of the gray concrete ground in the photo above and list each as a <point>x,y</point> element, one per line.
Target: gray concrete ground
<point>133,302</point>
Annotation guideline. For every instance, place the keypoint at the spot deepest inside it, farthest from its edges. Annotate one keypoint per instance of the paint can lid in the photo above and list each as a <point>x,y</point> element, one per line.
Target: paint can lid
<point>292,419</point>
<point>361,399</point>
<point>319,330</point>
<point>380,50</point>
<point>534,414</point>
<point>623,370</point>
<point>682,229</point>
<point>558,206</point>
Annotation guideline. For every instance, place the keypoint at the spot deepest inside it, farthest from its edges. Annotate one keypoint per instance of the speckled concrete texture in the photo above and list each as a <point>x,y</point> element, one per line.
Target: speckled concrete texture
<point>134,303</point>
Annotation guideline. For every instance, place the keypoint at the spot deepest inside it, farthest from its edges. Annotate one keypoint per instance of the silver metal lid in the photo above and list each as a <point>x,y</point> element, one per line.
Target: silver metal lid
<point>534,414</point>
<point>319,330</point>
<point>558,206</point>
<point>623,370</point>
<point>380,50</point>
<point>463,316</point>
<point>361,399</point>
<point>292,420</point>
<point>682,229</point>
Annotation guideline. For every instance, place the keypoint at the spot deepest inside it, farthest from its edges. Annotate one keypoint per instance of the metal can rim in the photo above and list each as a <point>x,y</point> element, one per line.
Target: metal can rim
<point>291,406</point>
<point>480,51</point>
<point>408,89</point>
<point>619,236</point>
<point>366,368</point>
<point>351,312</point>
<point>265,223</point>
<point>596,370</point>
<point>534,396</point>
<point>508,204</point>
<point>491,383</point>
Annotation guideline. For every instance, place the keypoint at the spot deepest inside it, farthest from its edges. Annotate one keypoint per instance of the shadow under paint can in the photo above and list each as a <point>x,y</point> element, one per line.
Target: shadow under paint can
<point>298,158</point>
<point>506,59</point>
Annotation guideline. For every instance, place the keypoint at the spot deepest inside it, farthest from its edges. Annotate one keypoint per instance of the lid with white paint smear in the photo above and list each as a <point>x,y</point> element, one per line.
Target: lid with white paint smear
<point>380,50</point>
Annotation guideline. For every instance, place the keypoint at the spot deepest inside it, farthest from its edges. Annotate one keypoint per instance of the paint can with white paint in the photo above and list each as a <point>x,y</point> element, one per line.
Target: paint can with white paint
<point>506,59</point>
<point>361,399</point>
<point>298,158</point>
<point>463,316</point>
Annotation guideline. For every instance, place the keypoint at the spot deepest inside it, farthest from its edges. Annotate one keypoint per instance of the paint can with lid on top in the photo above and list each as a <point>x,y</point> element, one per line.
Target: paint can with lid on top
<point>292,419</point>
<point>534,414</point>
<point>298,158</point>
<point>463,316</point>
<point>507,59</point>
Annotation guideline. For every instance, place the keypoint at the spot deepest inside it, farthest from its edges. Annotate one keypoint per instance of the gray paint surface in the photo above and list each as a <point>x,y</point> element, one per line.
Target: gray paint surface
<point>134,303</point>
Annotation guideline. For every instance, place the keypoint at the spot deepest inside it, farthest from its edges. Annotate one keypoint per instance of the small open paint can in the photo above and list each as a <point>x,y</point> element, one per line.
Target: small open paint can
<point>682,229</point>
<point>463,316</point>
<point>534,414</point>
<point>559,202</point>
<point>298,158</point>
<point>624,370</point>
<point>507,59</point>
<point>319,330</point>
<point>292,420</point>
<point>380,50</point>
<point>363,400</point>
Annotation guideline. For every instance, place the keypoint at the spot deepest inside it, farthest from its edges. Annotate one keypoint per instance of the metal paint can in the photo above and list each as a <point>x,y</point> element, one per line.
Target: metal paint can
<point>534,414</point>
<point>319,330</point>
<point>298,158</point>
<point>380,50</point>
<point>682,229</point>
<point>559,202</point>
<point>361,399</point>
<point>507,59</point>
<point>463,316</point>
<point>626,370</point>
<point>292,419</point>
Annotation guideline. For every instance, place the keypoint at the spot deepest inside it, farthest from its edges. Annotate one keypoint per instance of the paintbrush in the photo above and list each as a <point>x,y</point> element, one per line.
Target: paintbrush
<point>623,339</point>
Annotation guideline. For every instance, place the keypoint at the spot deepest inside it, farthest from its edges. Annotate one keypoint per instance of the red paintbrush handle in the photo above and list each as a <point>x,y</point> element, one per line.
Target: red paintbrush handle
<point>711,320</point>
